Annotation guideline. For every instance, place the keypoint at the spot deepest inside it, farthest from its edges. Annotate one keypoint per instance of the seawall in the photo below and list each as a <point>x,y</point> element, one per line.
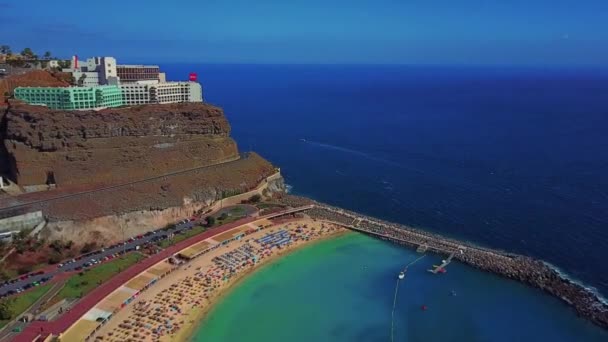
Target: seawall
<point>527,270</point>
<point>21,222</point>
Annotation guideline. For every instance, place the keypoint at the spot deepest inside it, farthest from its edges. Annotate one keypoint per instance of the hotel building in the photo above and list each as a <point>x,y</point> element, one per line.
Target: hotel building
<point>94,71</point>
<point>134,73</point>
<point>71,98</point>
<point>167,92</point>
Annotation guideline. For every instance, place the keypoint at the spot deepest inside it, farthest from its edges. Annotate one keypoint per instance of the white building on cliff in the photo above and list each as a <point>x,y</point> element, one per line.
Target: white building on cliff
<point>139,84</point>
<point>161,92</point>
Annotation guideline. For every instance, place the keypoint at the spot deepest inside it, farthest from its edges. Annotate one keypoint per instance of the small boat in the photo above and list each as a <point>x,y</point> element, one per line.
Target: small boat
<point>401,275</point>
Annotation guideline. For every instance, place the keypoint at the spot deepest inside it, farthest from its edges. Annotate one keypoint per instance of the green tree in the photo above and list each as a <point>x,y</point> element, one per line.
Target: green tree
<point>88,247</point>
<point>47,55</point>
<point>28,53</point>
<point>55,258</point>
<point>255,198</point>
<point>5,310</point>
<point>81,80</point>
<point>15,61</point>
<point>25,269</point>
<point>64,64</point>
<point>5,49</point>
<point>3,275</point>
<point>22,235</point>
<point>210,221</point>
<point>56,245</point>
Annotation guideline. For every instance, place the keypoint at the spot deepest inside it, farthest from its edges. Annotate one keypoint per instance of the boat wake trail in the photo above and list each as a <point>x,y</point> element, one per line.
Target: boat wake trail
<point>358,153</point>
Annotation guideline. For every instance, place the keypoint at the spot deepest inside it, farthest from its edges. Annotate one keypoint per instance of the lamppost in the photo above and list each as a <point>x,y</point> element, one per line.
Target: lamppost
<point>122,228</point>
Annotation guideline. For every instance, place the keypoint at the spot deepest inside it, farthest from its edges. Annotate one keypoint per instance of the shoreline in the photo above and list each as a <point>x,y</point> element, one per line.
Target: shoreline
<point>536,273</point>
<point>174,308</point>
<point>178,305</point>
<point>197,315</point>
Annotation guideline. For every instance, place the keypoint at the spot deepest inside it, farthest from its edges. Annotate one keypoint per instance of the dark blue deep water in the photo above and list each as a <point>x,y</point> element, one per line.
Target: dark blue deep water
<point>510,158</point>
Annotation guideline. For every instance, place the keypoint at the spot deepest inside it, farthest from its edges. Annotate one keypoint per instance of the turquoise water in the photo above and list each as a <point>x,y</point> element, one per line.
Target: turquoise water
<point>343,290</point>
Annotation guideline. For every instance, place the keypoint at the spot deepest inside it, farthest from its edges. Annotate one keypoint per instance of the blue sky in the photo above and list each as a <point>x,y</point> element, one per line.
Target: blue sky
<point>531,32</point>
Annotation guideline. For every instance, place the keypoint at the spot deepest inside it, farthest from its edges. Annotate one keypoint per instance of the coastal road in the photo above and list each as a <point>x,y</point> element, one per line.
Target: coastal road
<point>7,209</point>
<point>85,304</point>
<point>83,261</point>
<point>90,259</point>
<point>90,300</point>
<point>7,332</point>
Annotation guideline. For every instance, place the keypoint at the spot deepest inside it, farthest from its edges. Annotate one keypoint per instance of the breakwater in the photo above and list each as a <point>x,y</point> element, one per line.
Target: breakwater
<point>518,267</point>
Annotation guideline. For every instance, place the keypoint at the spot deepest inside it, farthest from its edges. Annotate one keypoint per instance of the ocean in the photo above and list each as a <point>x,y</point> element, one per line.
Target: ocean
<point>343,290</point>
<point>510,158</point>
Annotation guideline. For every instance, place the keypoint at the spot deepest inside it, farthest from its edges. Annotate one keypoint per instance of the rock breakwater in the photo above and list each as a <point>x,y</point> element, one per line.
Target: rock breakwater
<point>525,269</point>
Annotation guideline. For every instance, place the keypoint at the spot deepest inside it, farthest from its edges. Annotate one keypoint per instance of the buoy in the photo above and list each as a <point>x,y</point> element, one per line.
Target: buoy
<point>424,307</point>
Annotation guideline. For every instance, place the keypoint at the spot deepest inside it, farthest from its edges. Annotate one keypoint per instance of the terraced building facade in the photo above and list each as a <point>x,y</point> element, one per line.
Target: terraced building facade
<point>72,98</point>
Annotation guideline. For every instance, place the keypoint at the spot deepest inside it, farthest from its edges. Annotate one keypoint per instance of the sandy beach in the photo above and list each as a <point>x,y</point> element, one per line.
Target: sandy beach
<point>171,309</point>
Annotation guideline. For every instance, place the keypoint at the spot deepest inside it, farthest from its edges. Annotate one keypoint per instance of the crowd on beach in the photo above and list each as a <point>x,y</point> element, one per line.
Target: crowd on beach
<point>524,269</point>
<point>160,318</point>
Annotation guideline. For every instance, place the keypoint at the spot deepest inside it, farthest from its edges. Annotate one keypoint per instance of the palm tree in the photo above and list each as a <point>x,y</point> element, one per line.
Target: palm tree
<point>28,53</point>
<point>47,55</point>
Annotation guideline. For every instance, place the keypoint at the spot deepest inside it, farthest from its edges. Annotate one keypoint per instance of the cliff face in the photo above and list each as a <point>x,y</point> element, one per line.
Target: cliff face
<point>179,197</point>
<point>34,78</point>
<point>114,145</point>
<point>4,156</point>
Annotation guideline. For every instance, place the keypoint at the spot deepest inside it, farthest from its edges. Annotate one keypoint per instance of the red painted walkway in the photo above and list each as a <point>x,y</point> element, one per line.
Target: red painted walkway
<point>36,329</point>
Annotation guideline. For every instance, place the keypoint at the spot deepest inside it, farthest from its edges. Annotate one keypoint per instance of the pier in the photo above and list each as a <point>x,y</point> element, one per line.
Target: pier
<point>444,263</point>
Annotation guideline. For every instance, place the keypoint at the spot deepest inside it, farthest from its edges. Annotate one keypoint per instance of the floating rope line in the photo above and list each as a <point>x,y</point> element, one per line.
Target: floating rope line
<point>395,298</point>
<point>393,313</point>
<point>413,262</point>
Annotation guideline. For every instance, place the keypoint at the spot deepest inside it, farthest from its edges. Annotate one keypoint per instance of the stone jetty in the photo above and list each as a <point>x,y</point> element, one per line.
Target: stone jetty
<point>525,269</point>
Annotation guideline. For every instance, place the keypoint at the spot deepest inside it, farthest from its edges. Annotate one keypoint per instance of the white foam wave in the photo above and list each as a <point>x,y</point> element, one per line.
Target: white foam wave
<point>288,188</point>
<point>591,289</point>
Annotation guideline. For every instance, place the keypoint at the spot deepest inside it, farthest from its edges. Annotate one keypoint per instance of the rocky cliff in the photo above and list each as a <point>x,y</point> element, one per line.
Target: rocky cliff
<point>34,78</point>
<point>95,148</point>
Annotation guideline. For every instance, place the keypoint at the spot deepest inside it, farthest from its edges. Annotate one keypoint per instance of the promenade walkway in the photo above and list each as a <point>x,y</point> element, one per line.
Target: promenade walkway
<point>41,329</point>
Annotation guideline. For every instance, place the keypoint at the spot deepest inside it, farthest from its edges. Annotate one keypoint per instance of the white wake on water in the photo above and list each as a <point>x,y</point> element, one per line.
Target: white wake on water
<point>358,153</point>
